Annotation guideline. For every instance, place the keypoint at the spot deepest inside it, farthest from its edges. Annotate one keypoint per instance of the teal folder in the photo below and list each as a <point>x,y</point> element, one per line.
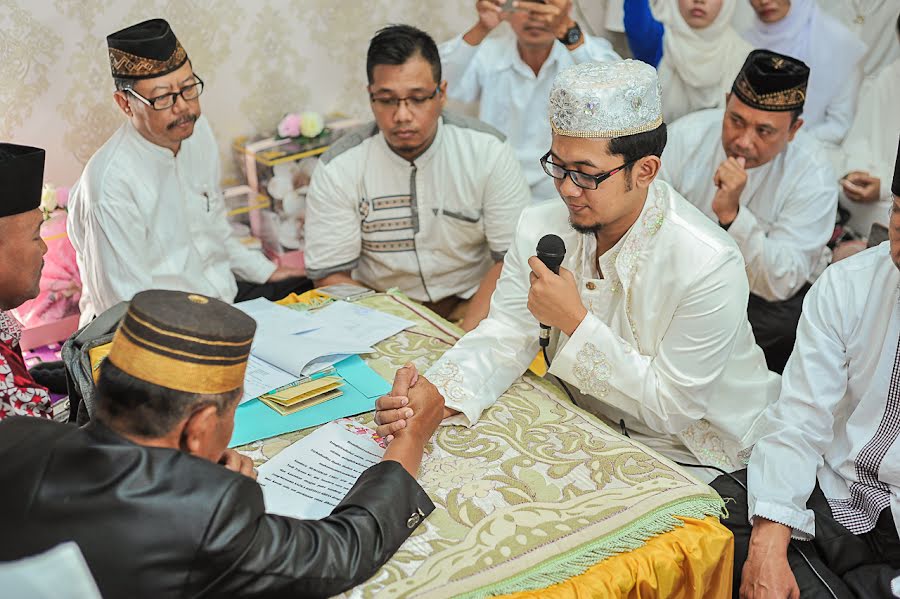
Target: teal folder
<point>254,420</point>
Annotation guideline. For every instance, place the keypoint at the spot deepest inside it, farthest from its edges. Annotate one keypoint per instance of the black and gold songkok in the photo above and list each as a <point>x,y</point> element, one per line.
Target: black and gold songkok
<point>148,49</point>
<point>21,178</point>
<point>183,341</point>
<point>772,81</point>
<point>895,186</point>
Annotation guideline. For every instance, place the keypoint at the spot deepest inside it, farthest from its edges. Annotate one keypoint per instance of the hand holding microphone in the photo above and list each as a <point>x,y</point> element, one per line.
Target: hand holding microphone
<point>553,298</point>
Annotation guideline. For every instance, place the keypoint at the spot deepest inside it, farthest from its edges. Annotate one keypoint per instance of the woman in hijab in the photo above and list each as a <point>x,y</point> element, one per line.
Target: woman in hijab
<point>834,55</point>
<point>702,54</point>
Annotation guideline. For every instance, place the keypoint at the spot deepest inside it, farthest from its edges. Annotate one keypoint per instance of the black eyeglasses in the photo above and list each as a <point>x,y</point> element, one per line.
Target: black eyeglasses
<point>582,180</point>
<point>392,103</point>
<point>189,92</point>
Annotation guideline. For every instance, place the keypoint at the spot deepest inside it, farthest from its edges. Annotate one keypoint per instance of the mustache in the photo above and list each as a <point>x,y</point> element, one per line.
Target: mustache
<point>188,118</point>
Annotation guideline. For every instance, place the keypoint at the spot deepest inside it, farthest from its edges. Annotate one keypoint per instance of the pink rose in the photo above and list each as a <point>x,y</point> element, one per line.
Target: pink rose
<point>289,125</point>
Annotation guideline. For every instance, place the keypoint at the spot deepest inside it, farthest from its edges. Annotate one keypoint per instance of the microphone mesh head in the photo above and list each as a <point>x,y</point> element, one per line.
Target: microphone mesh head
<point>551,250</point>
<point>552,245</point>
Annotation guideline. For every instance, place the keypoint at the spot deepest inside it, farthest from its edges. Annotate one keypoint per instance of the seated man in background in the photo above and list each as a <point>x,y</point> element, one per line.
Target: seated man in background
<point>418,200</point>
<point>767,184</point>
<point>157,504</point>
<point>21,260</point>
<point>865,155</point>
<point>825,471</point>
<point>147,211</point>
<point>511,76</point>
<point>649,309</point>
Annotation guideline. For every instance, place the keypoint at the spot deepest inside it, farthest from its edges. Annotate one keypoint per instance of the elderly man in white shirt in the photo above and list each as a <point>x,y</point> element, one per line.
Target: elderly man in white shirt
<point>767,183</point>
<point>418,200</point>
<point>511,76</point>
<point>648,311</point>
<point>826,471</point>
<point>147,212</point>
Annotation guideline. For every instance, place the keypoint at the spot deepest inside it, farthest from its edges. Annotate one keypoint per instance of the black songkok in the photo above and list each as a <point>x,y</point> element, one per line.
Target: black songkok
<point>148,49</point>
<point>183,341</point>
<point>21,178</point>
<point>895,187</point>
<point>772,81</point>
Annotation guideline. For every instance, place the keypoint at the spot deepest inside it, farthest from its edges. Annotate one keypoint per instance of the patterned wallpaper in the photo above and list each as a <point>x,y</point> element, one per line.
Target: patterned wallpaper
<point>259,59</point>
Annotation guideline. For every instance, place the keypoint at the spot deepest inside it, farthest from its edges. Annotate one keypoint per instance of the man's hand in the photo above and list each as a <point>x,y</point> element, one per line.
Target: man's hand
<point>490,13</point>
<point>860,186</point>
<point>552,13</point>
<point>766,573</point>
<point>410,395</point>
<point>283,273</point>
<point>554,299</point>
<point>236,462</point>
<point>730,178</point>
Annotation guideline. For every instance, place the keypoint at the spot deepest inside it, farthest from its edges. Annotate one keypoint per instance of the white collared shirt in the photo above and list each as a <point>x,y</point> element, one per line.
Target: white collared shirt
<point>512,98</point>
<point>787,207</point>
<point>871,145</point>
<point>666,345</point>
<point>141,217</point>
<point>836,420</point>
<point>431,228</point>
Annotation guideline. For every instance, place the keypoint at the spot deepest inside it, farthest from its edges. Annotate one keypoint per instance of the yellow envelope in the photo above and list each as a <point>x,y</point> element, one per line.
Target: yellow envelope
<point>304,391</point>
<point>287,410</point>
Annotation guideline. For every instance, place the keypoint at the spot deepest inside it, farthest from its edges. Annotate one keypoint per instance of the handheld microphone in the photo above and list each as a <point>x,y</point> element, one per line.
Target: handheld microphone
<point>551,251</point>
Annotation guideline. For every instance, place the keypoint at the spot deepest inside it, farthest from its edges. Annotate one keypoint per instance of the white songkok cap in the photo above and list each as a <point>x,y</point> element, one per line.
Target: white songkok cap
<point>609,99</point>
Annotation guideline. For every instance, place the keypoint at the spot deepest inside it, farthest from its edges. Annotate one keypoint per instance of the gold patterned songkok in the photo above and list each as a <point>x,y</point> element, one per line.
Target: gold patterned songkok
<point>772,81</point>
<point>606,100</point>
<point>183,341</point>
<point>148,49</point>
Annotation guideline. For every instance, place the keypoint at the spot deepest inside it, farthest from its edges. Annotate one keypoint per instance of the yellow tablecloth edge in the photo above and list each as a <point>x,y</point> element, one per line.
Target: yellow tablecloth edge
<point>627,538</point>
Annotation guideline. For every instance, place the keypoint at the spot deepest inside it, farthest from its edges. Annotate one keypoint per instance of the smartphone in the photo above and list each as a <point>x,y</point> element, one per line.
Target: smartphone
<point>346,292</point>
<point>508,6</point>
<point>877,235</point>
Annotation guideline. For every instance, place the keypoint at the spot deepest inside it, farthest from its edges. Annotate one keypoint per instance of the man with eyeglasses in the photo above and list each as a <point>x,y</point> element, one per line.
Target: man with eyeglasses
<point>648,312</point>
<point>420,199</point>
<point>148,212</point>
<point>768,184</point>
<point>510,76</point>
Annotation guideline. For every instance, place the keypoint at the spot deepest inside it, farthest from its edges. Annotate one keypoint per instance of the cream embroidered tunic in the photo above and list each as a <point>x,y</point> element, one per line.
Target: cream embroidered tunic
<point>666,345</point>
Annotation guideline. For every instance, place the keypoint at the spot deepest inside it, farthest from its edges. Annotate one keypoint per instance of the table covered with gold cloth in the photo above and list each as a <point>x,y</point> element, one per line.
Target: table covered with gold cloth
<point>541,499</point>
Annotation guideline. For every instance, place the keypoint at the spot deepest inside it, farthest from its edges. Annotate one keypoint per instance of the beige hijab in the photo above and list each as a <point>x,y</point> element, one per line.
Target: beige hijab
<point>698,65</point>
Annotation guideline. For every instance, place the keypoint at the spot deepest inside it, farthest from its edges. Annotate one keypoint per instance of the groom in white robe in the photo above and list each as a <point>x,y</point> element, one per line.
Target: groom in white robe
<point>826,471</point>
<point>648,312</point>
<point>767,183</point>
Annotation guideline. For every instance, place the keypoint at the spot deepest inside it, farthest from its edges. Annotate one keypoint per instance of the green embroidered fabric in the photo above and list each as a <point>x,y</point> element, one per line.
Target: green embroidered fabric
<point>537,492</point>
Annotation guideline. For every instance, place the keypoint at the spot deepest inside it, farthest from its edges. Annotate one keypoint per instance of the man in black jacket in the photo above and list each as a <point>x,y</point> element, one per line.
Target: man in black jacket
<point>157,504</point>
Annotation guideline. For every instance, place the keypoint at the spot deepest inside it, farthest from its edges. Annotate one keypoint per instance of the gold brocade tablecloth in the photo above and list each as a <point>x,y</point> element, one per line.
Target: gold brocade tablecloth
<point>541,496</point>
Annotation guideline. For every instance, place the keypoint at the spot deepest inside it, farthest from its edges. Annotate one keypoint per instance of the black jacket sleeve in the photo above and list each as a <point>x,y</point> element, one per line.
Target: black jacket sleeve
<point>246,552</point>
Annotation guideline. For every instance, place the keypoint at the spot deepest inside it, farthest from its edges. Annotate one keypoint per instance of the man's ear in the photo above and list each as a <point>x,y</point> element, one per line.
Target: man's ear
<point>645,171</point>
<point>795,126</point>
<point>199,432</point>
<point>443,88</point>
<point>121,99</point>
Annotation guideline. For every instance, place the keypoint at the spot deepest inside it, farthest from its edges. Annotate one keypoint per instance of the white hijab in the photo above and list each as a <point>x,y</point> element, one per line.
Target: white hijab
<point>698,65</point>
<point>829,49</point>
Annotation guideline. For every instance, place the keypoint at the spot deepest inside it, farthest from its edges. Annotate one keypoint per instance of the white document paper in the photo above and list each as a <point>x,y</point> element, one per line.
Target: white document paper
<point>273,319</point>
<point>292,353</point>
<point>262,377</point>
<point>358,322</point>
<point>308,479</point>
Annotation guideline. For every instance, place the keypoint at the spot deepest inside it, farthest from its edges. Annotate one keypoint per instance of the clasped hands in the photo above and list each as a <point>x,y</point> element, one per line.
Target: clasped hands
<point>414,407</point>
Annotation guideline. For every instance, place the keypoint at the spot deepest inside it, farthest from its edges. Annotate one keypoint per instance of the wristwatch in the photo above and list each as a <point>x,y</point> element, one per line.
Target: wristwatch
<point>571,36</point>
